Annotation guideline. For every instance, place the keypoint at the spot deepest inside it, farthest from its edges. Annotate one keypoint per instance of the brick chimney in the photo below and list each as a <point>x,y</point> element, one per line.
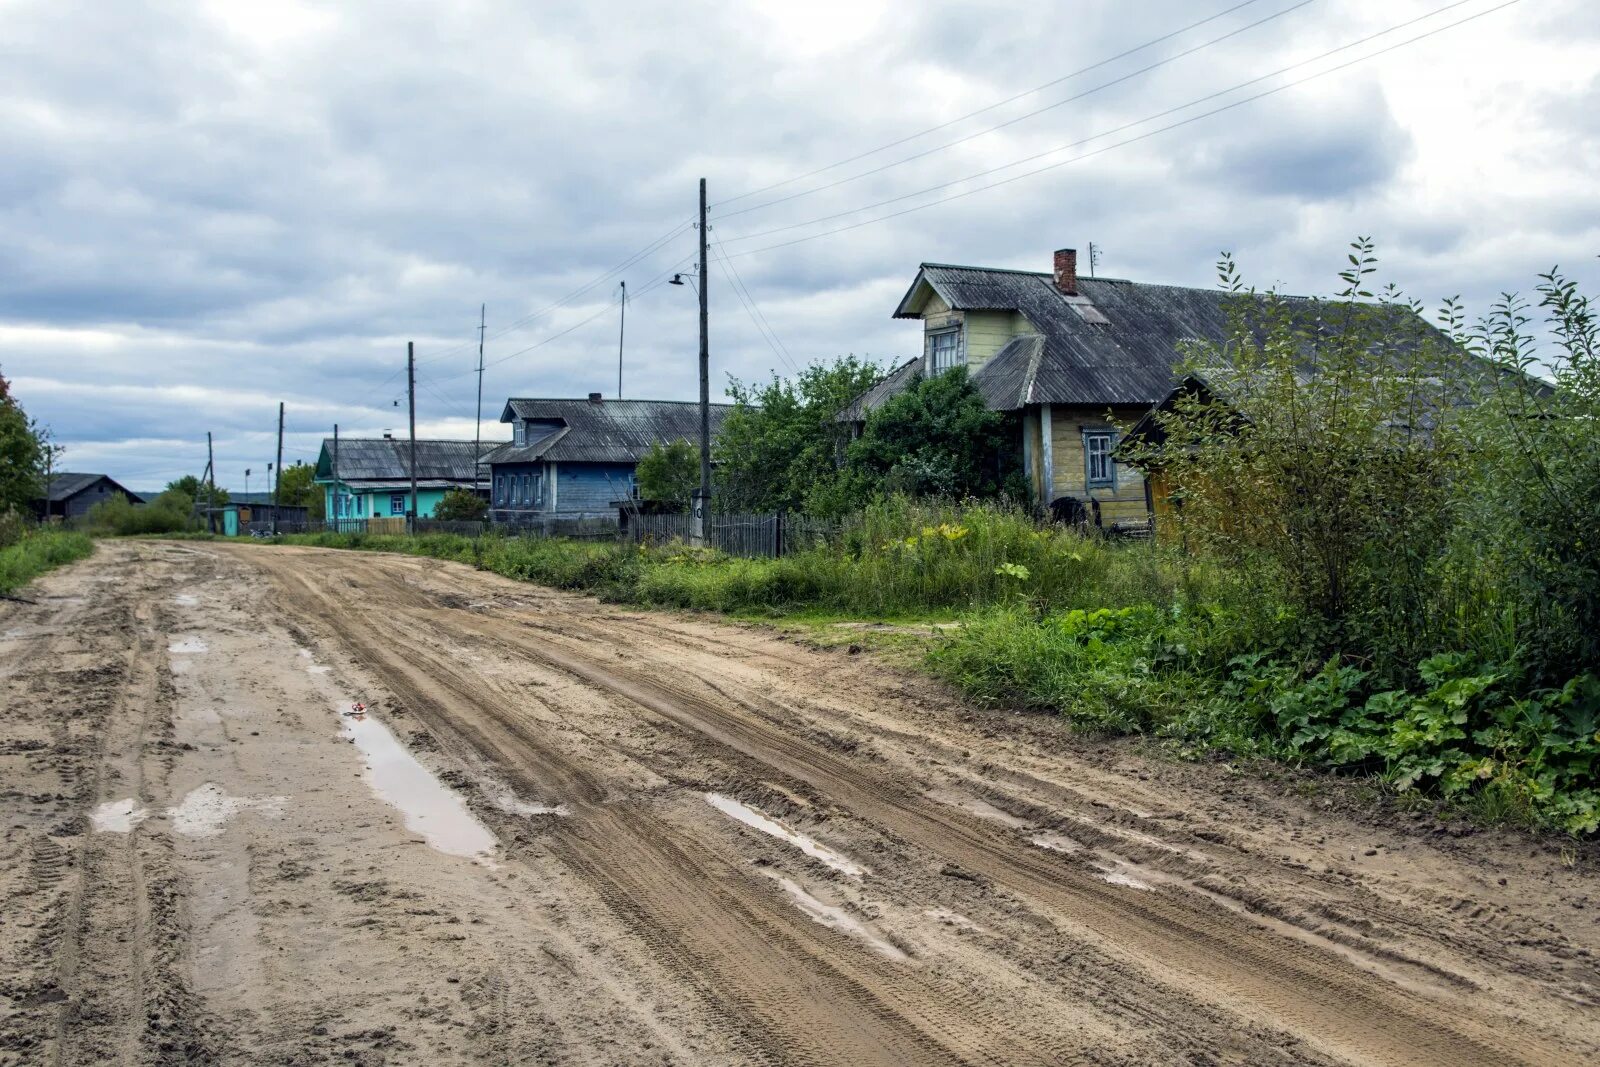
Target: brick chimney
<point>594,398</point>
<point>1067,270</point>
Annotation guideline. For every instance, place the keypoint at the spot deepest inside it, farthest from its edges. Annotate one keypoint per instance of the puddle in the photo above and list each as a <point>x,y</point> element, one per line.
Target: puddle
<point>190,645</point>
<point>981,808</point>
<point>836,918</point>
<point>1056,842</point>
<point>1116,876</point>
<point>317,668</point>
<point>511,804</point>
<point>430,807</point>
<point>756,820</point>
<point>117,816</point>
<point>206,809</point>
<point>186,600</point>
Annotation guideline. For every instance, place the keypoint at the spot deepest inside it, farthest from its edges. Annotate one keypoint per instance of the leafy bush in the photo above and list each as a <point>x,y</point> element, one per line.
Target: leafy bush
<point>461,505</point>
<point>669,473</point>
<point>171,512</point>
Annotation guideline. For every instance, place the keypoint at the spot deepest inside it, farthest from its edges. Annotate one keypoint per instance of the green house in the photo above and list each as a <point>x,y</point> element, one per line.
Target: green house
<point>370,478</point>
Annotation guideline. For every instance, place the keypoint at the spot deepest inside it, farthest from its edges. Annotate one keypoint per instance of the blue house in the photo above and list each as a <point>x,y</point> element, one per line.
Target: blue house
<point>571,459</point>
<point>370,478</point>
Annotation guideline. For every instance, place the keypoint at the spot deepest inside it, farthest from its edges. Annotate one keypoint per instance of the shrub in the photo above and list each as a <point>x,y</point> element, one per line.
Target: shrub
<point>38,551</point>
<point>461,505</point>
<point>171,512</point>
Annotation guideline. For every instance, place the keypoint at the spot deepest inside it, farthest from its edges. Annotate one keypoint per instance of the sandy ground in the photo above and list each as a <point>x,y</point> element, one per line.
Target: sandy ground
<point>559,832</point>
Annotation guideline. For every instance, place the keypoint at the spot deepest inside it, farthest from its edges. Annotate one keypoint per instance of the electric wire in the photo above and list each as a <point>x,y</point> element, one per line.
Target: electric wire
<point>1118,144</point>
<point>1023,117</point>
<point>985,110</point>
<point>757,319</point>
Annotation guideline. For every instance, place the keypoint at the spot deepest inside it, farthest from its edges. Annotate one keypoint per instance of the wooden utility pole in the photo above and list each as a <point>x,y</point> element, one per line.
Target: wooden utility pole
<point>477,432</point>
<point>337,525</point>
<point>704,503</point>
<point>622,329</point>
<point>411,399</point>
<point>211,482</point>
<point>277,475</point>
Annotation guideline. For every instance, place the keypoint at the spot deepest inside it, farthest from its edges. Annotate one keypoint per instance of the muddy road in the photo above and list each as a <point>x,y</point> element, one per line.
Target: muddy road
<point>560,832</point>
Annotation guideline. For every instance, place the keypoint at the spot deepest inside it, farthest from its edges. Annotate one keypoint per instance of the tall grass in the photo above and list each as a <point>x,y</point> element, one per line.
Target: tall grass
<point>37,552</point>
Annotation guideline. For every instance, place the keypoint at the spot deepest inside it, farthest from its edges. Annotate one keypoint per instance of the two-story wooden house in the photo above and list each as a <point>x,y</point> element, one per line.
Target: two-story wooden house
<point>1076,358</point>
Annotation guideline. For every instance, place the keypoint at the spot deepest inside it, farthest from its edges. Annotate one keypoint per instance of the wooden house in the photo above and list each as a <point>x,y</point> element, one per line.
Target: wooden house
<point>370,478</point>
<point>70,496</point>
<point>573,459</point>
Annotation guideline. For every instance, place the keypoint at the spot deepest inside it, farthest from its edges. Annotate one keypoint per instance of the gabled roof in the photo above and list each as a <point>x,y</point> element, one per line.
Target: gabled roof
<point>1114,342</point>
<point>602,431</point>
<point>388,459</point>
<point>892,384</point>
<point>66,485</point>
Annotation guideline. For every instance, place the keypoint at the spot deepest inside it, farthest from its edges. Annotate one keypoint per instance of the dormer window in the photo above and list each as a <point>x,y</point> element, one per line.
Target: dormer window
<point>520,432</point>
<point>944,350</point>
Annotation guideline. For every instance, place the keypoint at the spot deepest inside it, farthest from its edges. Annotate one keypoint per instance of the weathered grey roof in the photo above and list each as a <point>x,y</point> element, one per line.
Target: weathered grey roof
<point>66,485</point>
<point>1114,342</point>
<point>892,384</point>
<point>388,459</point>
<point>603,431</point>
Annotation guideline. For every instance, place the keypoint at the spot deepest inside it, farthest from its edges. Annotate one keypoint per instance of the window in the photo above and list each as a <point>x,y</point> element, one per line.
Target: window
<point>944,350</point>
<point>1100,470</point>
<point>397,503</point>
<point>520,432</point>
<point>500,490</point>
<point>527,489</point>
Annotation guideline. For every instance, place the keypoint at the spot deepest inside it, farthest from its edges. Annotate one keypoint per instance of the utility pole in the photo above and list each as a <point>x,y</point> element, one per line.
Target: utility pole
<point>622,329</point>
<point>411,399</point>
<point>277,474</point>
<point>703,501</point>
<point>211,483</point>
<point>477,432</point>
<point>337,499</point>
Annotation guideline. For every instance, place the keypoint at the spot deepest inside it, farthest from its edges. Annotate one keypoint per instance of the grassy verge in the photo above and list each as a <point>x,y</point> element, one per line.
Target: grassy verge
<point>39,552</point>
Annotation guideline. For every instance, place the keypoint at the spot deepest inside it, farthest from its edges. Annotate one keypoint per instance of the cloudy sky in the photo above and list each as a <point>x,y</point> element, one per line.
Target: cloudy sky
<point>209,207</point>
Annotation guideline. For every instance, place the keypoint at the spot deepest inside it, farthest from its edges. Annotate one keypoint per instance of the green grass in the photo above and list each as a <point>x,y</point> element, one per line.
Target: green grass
<point>38,552</point>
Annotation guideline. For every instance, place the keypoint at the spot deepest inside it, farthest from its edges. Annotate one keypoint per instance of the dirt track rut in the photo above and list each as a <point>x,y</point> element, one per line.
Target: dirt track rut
<point>971,887</point>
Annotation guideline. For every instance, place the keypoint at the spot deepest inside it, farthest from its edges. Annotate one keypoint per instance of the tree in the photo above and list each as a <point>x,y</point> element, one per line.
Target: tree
<point>461,505</point>
<point>24,453</point>
<point>937,438</point>
<point>1327,468</point>
<point>780,448</point>
<point>669,473</point>
<point>196,491</point>
<point>297,487</point>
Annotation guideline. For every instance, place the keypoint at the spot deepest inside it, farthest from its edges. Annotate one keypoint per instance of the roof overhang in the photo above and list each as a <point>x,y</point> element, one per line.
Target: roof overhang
<point>910,306</point>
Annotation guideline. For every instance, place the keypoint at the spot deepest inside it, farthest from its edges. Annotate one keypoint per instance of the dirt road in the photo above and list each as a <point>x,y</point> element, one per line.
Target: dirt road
<point>559,832</point>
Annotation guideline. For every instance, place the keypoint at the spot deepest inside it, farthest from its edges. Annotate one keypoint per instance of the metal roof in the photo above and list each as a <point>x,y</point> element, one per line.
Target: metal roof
<point>603,431</point>
<point>1114,342</point>
<point>67,485</point>
<point>892,384</point>
<point>389,459</point>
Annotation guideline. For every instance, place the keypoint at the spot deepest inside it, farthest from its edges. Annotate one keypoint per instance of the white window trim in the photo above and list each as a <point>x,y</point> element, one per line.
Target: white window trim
<point>956,330</point>
<point>520,432</point>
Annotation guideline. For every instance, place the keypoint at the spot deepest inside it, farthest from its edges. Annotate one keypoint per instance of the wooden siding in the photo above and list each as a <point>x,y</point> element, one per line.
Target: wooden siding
<point>987,332</point>
<point>1125,502</point>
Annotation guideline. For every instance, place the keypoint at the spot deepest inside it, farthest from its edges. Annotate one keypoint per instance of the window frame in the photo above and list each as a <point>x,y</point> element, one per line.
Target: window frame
<point>958,350</point>
<point>397,504</point>
<point>519,431</point>
<point>1108,435</point>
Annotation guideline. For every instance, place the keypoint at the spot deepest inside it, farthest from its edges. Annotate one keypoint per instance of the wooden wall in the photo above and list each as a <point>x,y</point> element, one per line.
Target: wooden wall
<point>1124,503</point>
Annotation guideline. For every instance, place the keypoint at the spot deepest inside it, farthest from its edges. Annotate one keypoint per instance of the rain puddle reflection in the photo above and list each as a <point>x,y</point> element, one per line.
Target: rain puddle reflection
<point>430,807</point>
<point>757,820</point>
<point>836,918</point>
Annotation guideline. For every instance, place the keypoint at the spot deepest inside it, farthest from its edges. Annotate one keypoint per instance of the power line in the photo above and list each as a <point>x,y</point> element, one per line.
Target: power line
<point>1025,116</point>
<point>1125,126</point>
<point>740,290</point>
<point>991,107</point>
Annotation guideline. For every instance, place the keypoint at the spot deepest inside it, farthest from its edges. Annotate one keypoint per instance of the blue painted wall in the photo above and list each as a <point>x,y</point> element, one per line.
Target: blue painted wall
<point>579,489</point>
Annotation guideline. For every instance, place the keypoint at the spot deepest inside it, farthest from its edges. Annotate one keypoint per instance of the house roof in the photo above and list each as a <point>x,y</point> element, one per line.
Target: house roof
<point>602,431</point>
<point>893,383</point>
<point>1114,342</point>
<point>66,485</point>
<point>388,459</point>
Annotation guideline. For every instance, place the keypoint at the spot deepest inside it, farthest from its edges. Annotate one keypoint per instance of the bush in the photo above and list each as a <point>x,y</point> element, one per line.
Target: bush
<point>171,512</point>
<point>461,505</point>
<point>669,473</point>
